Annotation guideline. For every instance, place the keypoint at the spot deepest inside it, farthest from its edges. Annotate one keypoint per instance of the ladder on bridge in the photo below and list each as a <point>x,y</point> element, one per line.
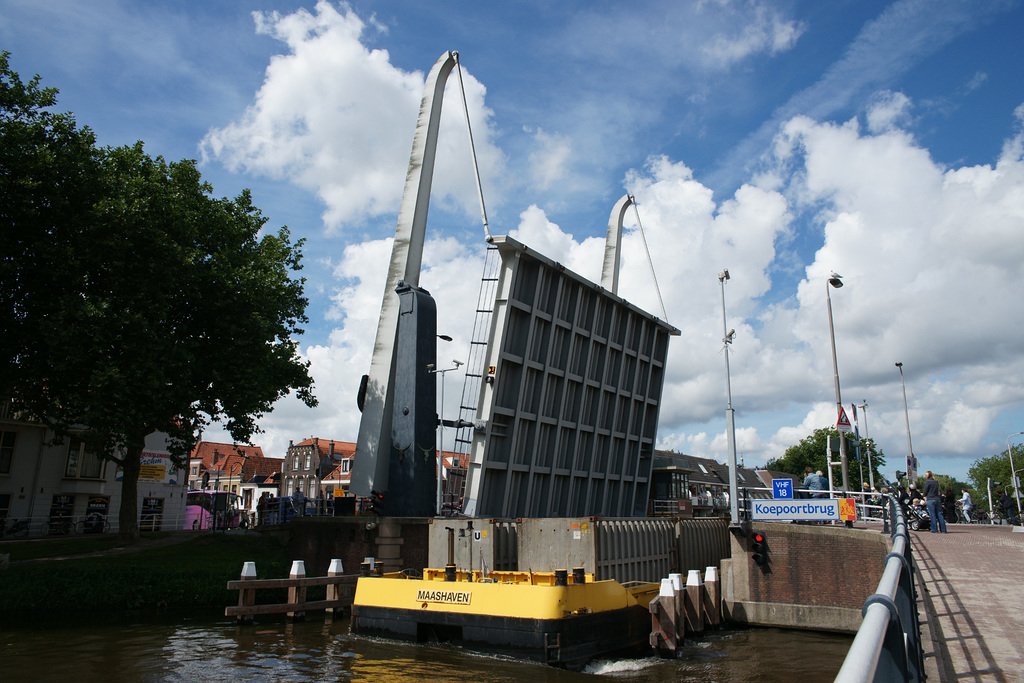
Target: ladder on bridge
<point>455,486</point>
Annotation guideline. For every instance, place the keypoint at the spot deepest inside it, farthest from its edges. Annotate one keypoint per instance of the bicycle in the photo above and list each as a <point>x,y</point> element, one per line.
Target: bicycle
<point>18,528</point>
<point>963,517</point>
<point>92,525</point>
<point>60,526</point>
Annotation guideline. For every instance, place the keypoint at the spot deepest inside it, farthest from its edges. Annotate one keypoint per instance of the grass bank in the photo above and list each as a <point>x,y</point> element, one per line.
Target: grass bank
<point>67,575</point>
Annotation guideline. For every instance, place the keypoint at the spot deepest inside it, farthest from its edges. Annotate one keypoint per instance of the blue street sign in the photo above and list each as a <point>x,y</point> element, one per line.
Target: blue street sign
<point>812,510</point>
<point>782,488</point>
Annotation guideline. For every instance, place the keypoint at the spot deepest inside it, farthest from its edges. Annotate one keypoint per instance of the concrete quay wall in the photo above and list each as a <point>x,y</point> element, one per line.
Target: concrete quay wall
<point>817,577</point>
<point>396,542</point>
<point>640,549</point>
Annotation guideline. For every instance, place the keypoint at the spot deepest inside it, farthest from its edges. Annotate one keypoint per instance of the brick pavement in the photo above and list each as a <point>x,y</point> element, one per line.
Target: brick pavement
<point>972,585</point>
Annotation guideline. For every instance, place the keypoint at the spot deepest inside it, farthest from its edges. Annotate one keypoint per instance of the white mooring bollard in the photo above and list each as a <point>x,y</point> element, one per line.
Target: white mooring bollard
<point>712,597</point>
<point>694,602</point>
<point>663,626</point>
<point>678,606</point>
<point>333,592</point>
<point>297,594</point>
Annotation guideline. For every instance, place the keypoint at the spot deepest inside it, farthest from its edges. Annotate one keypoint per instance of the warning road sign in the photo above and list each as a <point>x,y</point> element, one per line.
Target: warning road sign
<point>843,423</point>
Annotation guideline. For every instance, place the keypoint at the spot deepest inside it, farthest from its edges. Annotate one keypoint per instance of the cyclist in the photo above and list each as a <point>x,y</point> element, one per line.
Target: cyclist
<point>967,504</point>
<point>1006,507</point>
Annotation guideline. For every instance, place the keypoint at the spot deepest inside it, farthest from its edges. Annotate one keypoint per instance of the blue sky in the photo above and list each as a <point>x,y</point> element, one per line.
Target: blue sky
<point>780,140</point>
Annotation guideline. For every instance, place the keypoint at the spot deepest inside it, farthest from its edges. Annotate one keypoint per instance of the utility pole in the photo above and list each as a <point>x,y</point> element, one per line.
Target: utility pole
<point>871,473</point>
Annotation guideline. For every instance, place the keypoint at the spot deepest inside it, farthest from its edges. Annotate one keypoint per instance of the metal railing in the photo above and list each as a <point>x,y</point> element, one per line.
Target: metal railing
<point>888,646</point>
<point>871,507</point>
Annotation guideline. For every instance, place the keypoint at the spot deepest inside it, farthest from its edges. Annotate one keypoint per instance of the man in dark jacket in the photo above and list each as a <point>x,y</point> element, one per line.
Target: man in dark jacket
<point>933,499</point>
<point>1005,504</point>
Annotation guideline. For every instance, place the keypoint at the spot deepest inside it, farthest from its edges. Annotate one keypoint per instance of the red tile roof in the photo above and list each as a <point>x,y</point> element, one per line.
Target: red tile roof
<point>233,458</point>
<point>341,448</point>
<point>205,451</point>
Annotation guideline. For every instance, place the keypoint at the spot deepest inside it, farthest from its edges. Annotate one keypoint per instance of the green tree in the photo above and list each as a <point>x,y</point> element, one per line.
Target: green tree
<point>811,452</point>
<point>141,303</point>
<point>997,469</point>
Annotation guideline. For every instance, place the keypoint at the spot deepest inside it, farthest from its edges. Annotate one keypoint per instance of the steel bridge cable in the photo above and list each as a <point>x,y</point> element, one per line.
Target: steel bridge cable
<point>650,262</point>
<point>472,149</point>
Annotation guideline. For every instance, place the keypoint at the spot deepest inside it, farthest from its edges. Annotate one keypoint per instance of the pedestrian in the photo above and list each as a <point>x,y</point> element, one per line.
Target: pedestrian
<point>1005,504</point>
<point>815,483</point>
<point>966,504</point>
<point>261,509</point>
<point>933,499</point>
<point>915,495</point>
<point>299,501</point>
<point>949,505</point>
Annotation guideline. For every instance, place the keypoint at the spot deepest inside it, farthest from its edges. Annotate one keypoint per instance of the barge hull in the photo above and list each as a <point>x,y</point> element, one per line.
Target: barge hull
<point>569,641</point>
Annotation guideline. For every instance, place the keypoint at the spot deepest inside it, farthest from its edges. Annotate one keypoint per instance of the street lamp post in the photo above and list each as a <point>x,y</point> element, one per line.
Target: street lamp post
<point>991,503</point>
<point>911,460</point>
<point>1013,472</point>
<point>871,473</point>
<point>440,451</point>
<point>730,414</point>
<point>835,280</point>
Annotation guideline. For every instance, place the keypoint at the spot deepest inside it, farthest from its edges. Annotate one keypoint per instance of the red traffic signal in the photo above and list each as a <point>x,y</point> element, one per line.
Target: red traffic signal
<point>759,548</point>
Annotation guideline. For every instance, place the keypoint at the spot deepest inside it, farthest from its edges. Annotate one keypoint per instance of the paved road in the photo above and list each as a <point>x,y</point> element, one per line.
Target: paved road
<point>973,593</point>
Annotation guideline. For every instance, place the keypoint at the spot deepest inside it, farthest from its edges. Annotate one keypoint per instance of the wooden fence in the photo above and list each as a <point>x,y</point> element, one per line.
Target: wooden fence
<point>341,590</point>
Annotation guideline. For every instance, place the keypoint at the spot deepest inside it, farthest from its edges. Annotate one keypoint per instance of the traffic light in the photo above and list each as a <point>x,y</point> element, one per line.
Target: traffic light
<point>759,548</point>
<point>376,502</point>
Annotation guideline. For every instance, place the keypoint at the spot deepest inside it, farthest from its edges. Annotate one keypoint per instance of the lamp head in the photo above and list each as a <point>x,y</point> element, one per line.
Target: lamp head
<point>899,365</point>
<point>835,279</point>
<point>724,275</point>
<point>457,363</point>
<point>728,337</point>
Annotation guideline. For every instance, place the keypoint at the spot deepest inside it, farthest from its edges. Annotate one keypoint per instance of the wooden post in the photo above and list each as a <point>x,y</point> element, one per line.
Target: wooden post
<point>694,602</point>
<point>332,588</point>
<point>678,606</point>
<point>247,596</point>
<point>663,626</point>
<point>297,594</point>
<point>712,597</point>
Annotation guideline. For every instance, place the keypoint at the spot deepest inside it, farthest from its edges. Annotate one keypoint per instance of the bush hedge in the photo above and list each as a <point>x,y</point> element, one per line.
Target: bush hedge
<point>191,573</point>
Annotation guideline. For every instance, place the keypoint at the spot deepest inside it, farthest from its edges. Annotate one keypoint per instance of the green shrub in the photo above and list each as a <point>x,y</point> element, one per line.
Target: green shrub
<point>191,573</point>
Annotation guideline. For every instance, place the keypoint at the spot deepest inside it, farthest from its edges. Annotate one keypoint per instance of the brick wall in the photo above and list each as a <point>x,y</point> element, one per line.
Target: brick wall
<point>816,577</point>
<point>818,565</point>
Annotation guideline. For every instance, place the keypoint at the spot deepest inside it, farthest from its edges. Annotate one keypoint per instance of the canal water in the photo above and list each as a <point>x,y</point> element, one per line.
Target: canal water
<point>204,646</point>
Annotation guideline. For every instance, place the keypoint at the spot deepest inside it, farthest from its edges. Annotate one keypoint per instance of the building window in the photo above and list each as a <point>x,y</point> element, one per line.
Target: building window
<point>295,462</point>
<point>81,463</point>
<point>6,451</point>
<point>195,470</point>
<point>306,466</point>
<point>346,466</point>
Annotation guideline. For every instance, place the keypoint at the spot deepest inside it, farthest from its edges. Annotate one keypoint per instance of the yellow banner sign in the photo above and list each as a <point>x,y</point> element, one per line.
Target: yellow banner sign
<point>152,471</point>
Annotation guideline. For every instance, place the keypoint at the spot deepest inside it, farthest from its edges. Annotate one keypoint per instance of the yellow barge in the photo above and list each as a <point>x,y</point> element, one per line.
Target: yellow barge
<point>560,618</point>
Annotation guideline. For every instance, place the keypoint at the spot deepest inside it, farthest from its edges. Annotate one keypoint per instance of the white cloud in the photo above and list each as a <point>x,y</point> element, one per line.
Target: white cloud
<point>764,30</point>
<point>548,161</point>
<point>337,118</point>
<point>887,111</point>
